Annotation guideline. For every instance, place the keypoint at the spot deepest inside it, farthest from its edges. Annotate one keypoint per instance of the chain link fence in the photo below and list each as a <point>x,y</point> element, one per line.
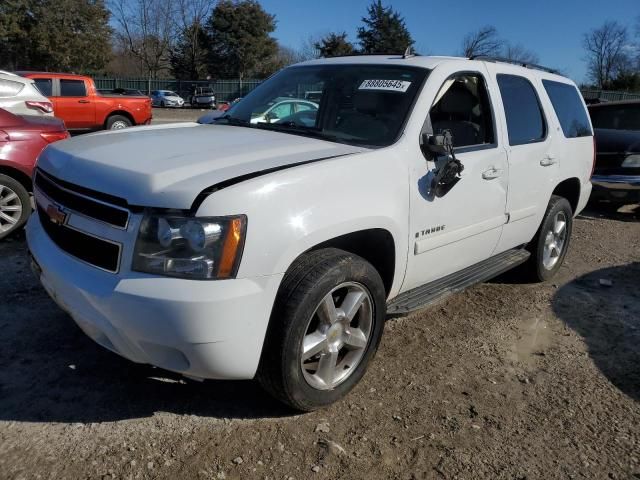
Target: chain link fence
<point>225,90</point>
<point>609,95</point>
<point>228,90</point>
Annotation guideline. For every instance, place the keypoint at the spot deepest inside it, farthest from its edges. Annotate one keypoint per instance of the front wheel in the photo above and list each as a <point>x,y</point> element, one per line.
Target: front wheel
<point>549,247</point>
<point>15,205</point>
<point>325,329</point>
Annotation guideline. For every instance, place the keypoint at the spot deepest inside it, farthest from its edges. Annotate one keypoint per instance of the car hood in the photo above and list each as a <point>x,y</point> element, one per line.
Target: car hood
<point>173,99</point>
<point>167,166</point>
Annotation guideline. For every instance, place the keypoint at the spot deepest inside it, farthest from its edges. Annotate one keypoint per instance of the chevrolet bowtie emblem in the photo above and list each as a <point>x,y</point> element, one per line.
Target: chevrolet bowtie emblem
<point>56,214</point>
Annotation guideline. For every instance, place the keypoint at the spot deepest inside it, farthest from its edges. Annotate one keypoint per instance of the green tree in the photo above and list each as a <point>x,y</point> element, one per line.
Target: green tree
<point>384,31</point>
<point>68,35</point>
<point>16,22</point>
<point>239,39</point>
<point>334,45</point>
<point>189,55</point>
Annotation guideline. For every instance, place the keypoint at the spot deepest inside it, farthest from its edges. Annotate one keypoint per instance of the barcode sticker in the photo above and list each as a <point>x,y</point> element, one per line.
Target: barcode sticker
<point>387,85</point>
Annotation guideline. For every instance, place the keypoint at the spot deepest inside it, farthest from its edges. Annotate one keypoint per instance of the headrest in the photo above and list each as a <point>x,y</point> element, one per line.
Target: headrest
<point>457,100</point>
<point>369,102</point>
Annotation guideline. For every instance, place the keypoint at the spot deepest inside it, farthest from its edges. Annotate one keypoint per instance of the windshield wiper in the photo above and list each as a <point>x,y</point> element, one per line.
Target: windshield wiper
<point>236,122</point>
<point>295,128</point>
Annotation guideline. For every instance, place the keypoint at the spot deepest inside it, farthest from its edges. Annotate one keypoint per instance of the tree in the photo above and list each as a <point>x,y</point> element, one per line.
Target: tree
<point>334,45</point>
<point>605,54</point>
<point>384,31</point>
<point>483,42</point>
<point>239,39</point>
<point>188,56</point>
<point>518,53</point>
<point>147,29</point>
<point>68,35</point>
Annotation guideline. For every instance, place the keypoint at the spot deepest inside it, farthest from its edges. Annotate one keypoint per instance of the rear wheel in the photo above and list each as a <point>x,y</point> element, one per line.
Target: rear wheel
<point>118,122</point>
<point>325,329</point>
<point>15,205</point>
<point>549,247</point>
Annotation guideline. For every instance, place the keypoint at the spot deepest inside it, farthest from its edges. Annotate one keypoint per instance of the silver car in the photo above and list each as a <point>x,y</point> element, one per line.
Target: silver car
<point>166,98</point>
<point>21,96</point>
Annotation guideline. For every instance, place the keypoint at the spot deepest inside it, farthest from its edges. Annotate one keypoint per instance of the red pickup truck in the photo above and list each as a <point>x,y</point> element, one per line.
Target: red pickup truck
<point>77,101</point>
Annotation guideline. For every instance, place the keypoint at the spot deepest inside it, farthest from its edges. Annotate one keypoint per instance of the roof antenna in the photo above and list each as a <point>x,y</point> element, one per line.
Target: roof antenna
<point>408,53</point>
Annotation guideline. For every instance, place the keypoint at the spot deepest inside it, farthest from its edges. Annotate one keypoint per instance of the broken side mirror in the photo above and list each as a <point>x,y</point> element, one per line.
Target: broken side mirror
<point>434,144</point>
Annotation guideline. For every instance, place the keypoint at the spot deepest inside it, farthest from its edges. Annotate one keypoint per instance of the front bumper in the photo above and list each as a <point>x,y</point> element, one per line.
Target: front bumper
<point>202,329</point>
<point>616,188</point>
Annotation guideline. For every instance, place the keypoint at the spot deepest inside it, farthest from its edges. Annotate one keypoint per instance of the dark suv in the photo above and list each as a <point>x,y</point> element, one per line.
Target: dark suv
<point>616,177</point>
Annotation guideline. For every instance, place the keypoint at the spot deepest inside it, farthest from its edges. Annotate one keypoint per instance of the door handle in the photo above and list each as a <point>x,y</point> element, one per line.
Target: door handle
<point>83,101</point>
<point>492,173</point>
<point>548,161</point>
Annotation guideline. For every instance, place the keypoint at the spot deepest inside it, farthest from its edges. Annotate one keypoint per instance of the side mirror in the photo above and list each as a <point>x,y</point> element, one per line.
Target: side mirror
<point>435,144</point>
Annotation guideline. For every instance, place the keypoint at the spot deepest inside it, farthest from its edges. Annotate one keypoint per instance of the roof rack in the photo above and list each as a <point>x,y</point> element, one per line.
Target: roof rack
<point>487,58</point>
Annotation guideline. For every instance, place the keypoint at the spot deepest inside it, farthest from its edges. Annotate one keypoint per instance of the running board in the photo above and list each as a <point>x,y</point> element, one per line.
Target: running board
<point>430,293</point>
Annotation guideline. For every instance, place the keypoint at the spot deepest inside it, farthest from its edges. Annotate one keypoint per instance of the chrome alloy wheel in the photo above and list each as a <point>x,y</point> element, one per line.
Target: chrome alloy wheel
<point>554,241</point>
<point>337,336</point>
<point>10,208</point>
<point>118,125</point>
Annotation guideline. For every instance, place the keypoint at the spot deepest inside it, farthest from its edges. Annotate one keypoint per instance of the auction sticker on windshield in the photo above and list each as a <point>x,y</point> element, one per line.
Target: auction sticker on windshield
<point>388,85</point>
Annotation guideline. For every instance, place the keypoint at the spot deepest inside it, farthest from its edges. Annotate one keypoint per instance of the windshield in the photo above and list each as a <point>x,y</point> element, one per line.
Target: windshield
<point>169,93</point>
<point>356,104</point>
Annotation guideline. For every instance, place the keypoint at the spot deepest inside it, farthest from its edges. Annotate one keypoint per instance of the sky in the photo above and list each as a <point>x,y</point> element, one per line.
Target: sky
<point>552,29</point>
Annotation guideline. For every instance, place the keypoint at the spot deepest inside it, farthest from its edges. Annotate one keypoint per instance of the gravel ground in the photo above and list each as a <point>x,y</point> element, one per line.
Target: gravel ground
<point>502,381</point>
<point>170,115</point>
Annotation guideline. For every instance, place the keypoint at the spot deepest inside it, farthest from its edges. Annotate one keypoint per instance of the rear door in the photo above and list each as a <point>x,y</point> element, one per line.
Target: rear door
<point>74,105</point>
<point>531,150</point>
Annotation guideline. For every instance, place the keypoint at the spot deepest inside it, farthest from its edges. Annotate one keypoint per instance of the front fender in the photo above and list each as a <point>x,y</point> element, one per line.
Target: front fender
<point>292,210</point>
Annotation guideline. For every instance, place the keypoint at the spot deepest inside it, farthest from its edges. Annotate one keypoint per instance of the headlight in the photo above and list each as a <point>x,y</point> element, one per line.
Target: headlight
<point>199,248</point>
<point>632,161</point>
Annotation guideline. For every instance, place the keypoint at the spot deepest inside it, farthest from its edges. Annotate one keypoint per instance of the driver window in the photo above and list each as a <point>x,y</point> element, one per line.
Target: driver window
<point>463,107</point>
<point>281,111</point>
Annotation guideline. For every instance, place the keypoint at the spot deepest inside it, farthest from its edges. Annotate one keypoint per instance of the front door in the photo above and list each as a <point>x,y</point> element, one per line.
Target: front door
<point>73,104</point>
<point>462,227</point>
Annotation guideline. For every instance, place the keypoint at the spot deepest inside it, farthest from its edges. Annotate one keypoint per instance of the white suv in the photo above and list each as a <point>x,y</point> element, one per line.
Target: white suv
<point>21,96</point>
<point>276,250</point>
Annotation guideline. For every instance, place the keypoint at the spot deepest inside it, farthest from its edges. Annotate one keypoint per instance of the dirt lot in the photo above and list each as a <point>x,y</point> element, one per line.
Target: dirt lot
<point>503,381</point>
<point>169,115</point>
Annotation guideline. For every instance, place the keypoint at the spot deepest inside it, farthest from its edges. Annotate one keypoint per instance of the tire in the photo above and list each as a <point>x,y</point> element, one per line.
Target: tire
<point>337,278</point>
<point>542,266</point>
<point>15,206</point>
<point>118,122</point>
<point>162,104</point>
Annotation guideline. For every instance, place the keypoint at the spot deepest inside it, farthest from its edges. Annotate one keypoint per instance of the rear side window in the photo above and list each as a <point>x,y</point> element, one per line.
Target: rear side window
<point>44,86</point>
<point>72,88</point>
<point>10,88</point>
<point>525,120</point>
<point>616,117</point>
<point>569,109</point>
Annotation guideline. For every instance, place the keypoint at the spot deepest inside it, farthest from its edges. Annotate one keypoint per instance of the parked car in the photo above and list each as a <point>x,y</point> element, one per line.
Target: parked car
<point>275,249</point>
<point>132,92</point>
<point>77,101</point>
<point>616,178</point>
<point>21,96</point>
<point>202,97</point>
<point>284,108</point>
<point>166,98</point>
<point>22,138</point>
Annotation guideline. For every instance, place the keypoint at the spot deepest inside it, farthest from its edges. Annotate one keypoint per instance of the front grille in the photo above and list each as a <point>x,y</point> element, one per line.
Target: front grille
<point>100,253</point>
<point>78,202</point>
